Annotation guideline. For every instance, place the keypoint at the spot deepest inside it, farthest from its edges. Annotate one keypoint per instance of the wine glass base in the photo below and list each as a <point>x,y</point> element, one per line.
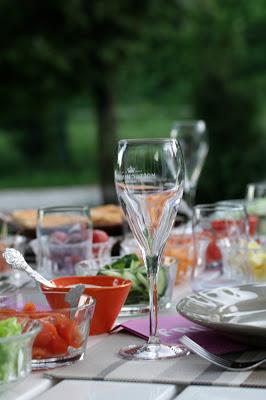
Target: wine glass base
<point>153,352</point>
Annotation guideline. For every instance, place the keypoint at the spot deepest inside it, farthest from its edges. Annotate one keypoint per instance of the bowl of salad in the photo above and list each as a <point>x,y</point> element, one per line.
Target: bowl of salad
<point>131,267</point>
<point>63,331</point>
<point>16,340</point>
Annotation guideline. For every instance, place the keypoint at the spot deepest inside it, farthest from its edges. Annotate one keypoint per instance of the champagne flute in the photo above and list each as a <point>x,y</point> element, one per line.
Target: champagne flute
<point>192,136</point>
<point>149,177</point>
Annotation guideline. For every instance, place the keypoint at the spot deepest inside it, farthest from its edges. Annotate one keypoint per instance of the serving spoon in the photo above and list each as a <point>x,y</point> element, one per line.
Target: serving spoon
<point>16,260</point>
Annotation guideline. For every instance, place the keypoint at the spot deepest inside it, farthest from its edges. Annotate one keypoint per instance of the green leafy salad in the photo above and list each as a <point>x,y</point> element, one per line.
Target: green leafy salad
<point>132,268</point>
<point>9,352</point>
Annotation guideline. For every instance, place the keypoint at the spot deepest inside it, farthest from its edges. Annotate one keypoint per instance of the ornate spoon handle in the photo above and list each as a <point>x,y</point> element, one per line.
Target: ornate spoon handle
<point>16,260</point>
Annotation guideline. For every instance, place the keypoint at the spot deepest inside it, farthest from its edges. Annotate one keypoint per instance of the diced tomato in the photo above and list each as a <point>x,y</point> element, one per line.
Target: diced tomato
<point>63,325</point>
<point>58,345</point>
<point>57,333</point>
<point>45,337</point>
<point>68,330</point>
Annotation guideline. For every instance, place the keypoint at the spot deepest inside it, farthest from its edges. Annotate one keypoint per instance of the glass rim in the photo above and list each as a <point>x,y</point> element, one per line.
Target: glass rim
<point>256,184</point>
<point>171,259</point>
<point>54,209</point>
<point>220,207</point>
<point>33,330</point>
<point>188,122</point>
<point>53,291</point>
<point>147,140</point>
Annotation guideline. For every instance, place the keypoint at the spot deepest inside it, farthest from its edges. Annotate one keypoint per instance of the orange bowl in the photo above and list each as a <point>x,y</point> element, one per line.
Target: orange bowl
<point>110,297</point>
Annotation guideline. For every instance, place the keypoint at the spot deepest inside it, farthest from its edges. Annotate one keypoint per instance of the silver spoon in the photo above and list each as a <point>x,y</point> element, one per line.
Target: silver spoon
<point>16,260</point>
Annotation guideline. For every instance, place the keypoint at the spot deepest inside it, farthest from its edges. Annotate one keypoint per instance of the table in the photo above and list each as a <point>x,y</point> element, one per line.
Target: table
<point>37,387</point>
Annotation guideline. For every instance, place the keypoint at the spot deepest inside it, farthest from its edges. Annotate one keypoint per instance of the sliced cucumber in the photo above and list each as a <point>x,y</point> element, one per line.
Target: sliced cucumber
<point>161,282</point>
<point>109,272</point>
<point>130,267</point>
<point>128,275</point>
<point>143,279</point>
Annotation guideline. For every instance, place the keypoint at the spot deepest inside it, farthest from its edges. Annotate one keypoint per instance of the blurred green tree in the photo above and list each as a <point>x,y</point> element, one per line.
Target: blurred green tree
<point>59,50</point>
<point>33,91</point>
<point>227,72</point>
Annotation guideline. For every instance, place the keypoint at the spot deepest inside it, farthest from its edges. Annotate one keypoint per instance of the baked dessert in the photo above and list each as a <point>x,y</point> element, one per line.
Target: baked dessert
<point>102,216</point>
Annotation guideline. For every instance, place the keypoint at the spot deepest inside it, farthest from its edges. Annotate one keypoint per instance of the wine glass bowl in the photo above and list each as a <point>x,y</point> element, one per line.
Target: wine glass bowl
<point>149,178</point>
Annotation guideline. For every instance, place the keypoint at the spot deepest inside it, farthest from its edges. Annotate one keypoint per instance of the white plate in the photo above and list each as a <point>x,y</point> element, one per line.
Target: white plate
<point>238,312</point>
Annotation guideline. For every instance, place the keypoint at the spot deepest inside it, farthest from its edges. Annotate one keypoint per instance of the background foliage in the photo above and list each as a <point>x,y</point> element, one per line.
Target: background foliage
<point>77,75</point>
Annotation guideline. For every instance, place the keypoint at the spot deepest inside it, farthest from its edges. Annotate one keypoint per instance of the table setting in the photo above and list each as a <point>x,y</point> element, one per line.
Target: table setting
<point>175,306</point>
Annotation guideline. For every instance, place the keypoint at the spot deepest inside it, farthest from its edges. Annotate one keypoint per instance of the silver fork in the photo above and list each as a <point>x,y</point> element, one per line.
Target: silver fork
<point>218,360</point>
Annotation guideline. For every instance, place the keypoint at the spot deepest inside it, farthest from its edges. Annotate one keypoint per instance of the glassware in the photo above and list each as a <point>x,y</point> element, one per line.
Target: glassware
<point>218,229</point>
<point>178,246</point>
<point>16,351</point>
<point>252,219</point>
<point>64,237</point>
<point>137,301</point>
<point>149,177</point>
<point>256,204</point>
<point>192,136</point>
<point>64,330</point>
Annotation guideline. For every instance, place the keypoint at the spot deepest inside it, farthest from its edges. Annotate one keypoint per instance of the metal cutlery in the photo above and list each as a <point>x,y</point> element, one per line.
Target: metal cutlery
<point>16,260</point>
<point>218,360</point>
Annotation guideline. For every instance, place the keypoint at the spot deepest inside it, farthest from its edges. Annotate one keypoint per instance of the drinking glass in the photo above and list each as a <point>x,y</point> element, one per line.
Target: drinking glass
<point>256,204</point>
<point>192,136</point>
<point>149,177</point>
<point>219,230</point>
<point>64,237</point>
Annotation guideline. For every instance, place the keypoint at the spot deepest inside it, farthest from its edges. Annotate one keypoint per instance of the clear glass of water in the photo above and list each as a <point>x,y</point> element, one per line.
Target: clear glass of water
<point>149,177</point>
<point>218,229</point>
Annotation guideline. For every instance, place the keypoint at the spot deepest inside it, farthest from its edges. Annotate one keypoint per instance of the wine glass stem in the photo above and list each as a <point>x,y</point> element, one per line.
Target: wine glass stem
<point>152,263</point>
<point>192,195</point>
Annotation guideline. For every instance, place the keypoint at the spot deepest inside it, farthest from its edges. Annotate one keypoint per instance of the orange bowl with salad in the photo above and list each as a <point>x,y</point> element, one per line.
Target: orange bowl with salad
<point>64,331</point>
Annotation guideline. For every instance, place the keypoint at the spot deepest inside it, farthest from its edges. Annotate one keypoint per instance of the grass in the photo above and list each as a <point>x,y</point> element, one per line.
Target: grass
<point>134,121</point>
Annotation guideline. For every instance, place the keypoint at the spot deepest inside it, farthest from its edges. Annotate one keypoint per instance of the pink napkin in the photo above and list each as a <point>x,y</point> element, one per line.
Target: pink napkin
<point>172,328</point>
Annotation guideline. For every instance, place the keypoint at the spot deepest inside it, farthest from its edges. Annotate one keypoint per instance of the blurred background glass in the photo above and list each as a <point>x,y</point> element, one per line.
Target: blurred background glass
<point>218,230</point>
<point>76,76</point>
<point>192,137</point>
<point>256,204</point>
<point>64,237</point>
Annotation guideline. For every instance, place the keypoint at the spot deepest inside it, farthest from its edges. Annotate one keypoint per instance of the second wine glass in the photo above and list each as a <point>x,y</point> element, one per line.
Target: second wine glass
<point>149,177</point>
<point>192,136</point>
